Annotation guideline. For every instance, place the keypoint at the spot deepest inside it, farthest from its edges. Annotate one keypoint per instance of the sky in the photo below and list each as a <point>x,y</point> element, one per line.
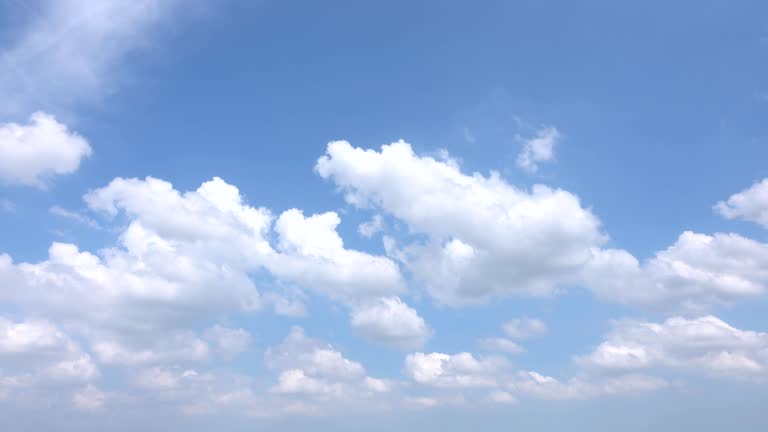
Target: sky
<point>340,215</point>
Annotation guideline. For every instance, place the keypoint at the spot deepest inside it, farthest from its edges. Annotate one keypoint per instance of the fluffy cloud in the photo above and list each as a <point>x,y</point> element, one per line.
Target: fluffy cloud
<point>750,204</point>
<point>706,344</point>
<point>391,322</point>
<point>696,271</point>
<point>460,370</point>
<point>540,148</point>
<point>32,153</point>
<point>36,353</point>
<point>311,368</point>
<point>486,237</point>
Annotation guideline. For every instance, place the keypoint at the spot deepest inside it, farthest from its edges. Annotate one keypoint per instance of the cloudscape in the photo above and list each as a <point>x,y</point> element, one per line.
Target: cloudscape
<point>287,216</point>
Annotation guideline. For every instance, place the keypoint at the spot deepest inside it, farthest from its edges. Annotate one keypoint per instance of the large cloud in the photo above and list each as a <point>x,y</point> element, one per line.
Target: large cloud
<point>187,258</point>
<point>487,237</point>
<point>32,153</point>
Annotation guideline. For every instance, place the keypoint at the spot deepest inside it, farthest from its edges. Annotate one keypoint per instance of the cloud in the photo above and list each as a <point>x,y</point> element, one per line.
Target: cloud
<point>697,271</point>
<point>750,204</point>
<point>540,148</point>
<point>310,368</point>
<point>487,238</point>
<point>70,51</point>
<point>391,322</point>
<point>705,344</point>
<point>89,398</point>
<point>32,153</point>
<point>460,370</point>
<point>524,328</point>
<point>370,228</point>
<point>36,353</point>
<point>501,344</point>
<point>546,387</point>
<point>229,342</point>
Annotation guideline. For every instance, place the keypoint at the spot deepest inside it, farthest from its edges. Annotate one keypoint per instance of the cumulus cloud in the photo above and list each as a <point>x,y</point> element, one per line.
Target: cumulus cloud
<point>706,344</point>
<point>486,237</point>
<point>460,370</point>
<point>182,259</point>
<point>750,204</point>
<point>540,148</point>
<point>32,153</point>
<point>697,271</point>
<point>309,367</point>
<point>391,322</point>
<point>36,353</point>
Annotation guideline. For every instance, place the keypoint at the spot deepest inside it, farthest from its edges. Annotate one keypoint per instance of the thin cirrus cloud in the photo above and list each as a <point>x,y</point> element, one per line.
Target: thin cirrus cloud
<point>69,52</point>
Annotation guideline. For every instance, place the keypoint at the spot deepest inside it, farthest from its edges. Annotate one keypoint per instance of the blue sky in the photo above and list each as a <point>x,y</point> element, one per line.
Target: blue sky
<point>342,215</point>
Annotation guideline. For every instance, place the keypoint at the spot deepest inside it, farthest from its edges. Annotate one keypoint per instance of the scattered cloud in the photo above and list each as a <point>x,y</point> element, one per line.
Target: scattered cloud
<point>750,204</point>
<point>540,148</point>
<point>524,328</point>
<point>31,154</point>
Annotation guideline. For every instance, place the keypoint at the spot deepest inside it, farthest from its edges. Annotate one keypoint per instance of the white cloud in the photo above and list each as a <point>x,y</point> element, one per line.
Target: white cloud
<point>697,271</point>
<point>370,228</point>
<point>391,322</point>
<point>502,397</point>
<point>706,344</point>
<point>31,154</point>
<point>70,50</point>
<point>183,259</point>
<point>228,341</point>
<point>546,387</point>
<point>540,148</point>
<point>311,368</point>
<point>89,398</point>
<point>487,237</point>
<point>36,353</point>
<point>312,254</point>
<point>165,347</point>
<point>501,344</point>
<point>750,204</point>
<point>524,328</point>
<point>460,370</point>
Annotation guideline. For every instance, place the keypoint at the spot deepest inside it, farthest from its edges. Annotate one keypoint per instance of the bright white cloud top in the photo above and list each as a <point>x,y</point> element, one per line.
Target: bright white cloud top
<point>33,153</point>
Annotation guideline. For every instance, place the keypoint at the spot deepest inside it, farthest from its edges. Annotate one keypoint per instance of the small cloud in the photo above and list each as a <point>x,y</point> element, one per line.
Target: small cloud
<point>368,229</point>
<point>468,137</point>
<point>540,148</point>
